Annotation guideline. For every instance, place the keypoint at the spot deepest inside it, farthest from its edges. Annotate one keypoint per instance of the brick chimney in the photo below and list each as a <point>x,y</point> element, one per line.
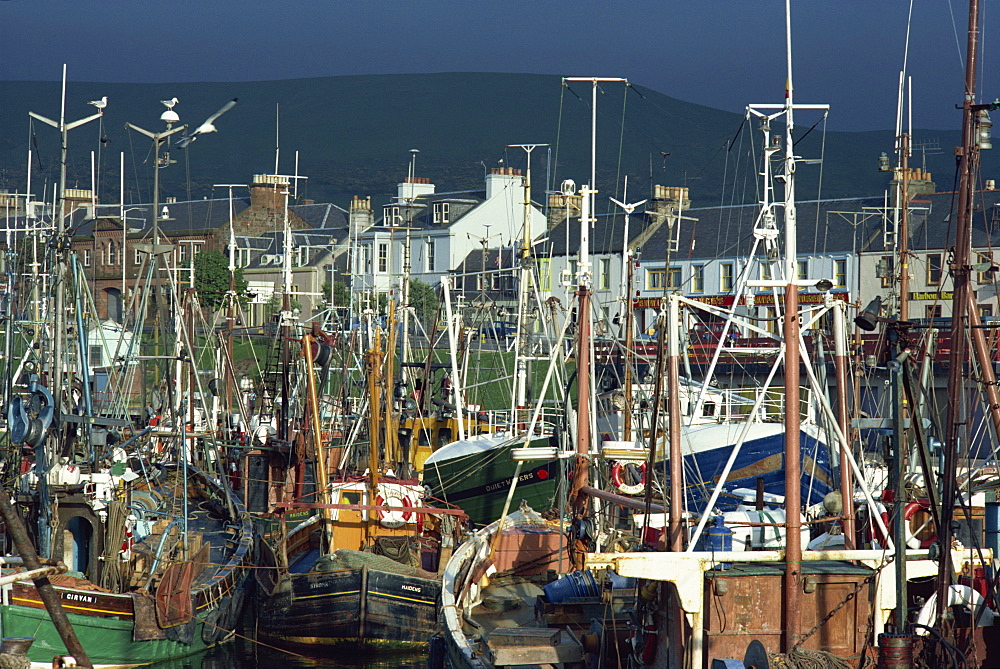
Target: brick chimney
<point>666,199</point>
<point>77,198</point>
<point>268,191</point>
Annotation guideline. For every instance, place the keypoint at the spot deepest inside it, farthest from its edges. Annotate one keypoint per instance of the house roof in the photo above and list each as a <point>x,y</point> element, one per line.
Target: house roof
<point>322,215</point>
<point>182,217</point>
<point>829,226</point>
<point>606,235</point>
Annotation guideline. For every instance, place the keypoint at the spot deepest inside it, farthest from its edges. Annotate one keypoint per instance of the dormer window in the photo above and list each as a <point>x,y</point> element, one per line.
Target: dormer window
<point>441,213</point>
<point>392,216</point>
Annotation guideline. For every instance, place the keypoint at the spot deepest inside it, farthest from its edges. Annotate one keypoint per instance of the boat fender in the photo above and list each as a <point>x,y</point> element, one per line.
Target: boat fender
<point>617,471</point>
<point>128,540</point>
<point>649,644</point>
<point>875,533</point>
<point>958,595</point>
<point>911,539</point>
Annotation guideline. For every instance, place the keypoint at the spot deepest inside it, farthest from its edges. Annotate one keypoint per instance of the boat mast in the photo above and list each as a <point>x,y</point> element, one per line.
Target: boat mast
<point>525,286</point>
<point>583,395</point>
<point>626,297</point>
<point>793,495</point>
<point>957,415</point>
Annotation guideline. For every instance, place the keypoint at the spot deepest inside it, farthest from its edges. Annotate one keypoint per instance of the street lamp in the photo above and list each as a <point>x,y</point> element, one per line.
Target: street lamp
<point>63,127</point>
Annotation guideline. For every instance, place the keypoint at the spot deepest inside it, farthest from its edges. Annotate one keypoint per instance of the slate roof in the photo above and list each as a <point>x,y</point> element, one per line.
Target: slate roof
<point>273,243</point>
<point>322,215</point>
<point>183,216</point>
<point>828,226</point>
<point>606,236</point>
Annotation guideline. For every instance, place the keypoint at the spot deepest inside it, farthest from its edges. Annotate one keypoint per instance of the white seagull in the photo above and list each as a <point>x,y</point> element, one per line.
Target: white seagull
<point>208,125</point>
<point>100,104</point>
<point>169,104</point>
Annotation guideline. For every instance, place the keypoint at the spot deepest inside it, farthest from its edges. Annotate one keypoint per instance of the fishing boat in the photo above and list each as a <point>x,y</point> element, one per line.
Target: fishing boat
<point>364,568</point>
<point>112,462</point>
<point>130,499</point>
<point>702,583</point>
<point>481,470</point>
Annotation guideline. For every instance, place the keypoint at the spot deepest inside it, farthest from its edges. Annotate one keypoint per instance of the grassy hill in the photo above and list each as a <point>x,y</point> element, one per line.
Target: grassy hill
<point>353,135</point>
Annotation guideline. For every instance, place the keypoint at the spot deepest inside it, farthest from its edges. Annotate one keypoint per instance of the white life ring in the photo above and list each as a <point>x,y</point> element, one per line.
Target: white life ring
<point>628,489</point>
<point>397,514</point>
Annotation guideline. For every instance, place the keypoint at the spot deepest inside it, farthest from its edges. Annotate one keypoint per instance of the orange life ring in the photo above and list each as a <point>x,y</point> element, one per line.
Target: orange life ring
<point>627,488</point>
<point>912,541</point>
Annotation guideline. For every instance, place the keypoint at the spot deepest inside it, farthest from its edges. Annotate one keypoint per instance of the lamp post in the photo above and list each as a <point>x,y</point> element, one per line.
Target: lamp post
<point>63,127</point>
<point>47,593</point>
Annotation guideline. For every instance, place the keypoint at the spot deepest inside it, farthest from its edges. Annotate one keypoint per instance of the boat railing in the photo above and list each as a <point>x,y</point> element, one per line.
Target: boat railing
<point>501,420</point>
<point>739,403</point>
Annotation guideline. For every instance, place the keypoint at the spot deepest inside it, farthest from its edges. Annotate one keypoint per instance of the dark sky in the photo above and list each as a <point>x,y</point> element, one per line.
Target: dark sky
<point>720,53</point>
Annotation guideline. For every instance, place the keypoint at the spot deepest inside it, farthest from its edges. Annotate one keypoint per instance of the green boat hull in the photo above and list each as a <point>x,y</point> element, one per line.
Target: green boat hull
<point>108,641</point>
<point>478,483</point>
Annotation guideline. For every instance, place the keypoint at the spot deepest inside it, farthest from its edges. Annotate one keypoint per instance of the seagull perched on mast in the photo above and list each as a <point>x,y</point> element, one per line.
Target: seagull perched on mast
<point>169,104</point>
<point>100,104</point>
<point>208,125</point>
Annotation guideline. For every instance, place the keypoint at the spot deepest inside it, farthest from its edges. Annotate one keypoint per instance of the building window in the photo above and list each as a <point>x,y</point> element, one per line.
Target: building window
<point>86,257</point>
<point>112,254</point>
<point>302,256</point>
<point>96,355</point>
<point>770,316</point>
<point>932,311</point>
<point>726,277</point>
<point>802,267</point>
<point>605,278</point>
<point>431,260</point>
<point>182,253</point>
<point>654,278</point>
<point>933,269</point>
<point>674,277</point>
<point>544,274</point>
<point>985,258</point>
<point>985,312</point>
<point>392,216</point>
<point>840,273</point>
<point>137,258</point>
<point>698,279</point>
<point>441,213</point>
<point>886,270</point>
<point>383,257</point>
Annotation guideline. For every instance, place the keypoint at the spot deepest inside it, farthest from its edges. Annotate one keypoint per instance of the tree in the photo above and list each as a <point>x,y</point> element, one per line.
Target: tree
<point>424,300</point>
<point>211,279</point>
<point>341,293</point>
<point>273,306</point>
